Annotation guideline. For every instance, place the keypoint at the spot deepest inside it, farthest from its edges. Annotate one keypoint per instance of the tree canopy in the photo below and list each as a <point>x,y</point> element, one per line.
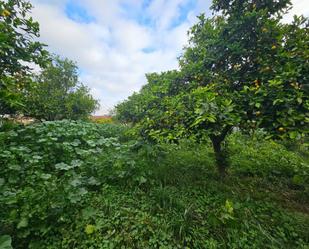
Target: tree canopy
<point>56,93</point>
<point>243,68</point>
<point>17,46</point>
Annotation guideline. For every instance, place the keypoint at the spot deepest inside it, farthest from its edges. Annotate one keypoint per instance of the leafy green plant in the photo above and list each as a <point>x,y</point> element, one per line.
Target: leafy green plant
<point>56,93</point>
<point>74,184</point>
<point>5,242</point>
<point>47,161</point>
<point>102,120</point>
<point>263,157</point>
<point>230,77</point>
<point>18,32</point>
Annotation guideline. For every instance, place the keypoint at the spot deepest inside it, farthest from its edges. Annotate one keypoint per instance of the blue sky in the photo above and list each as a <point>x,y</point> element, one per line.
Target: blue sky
<point>76,12</point>
<point>115,42</point>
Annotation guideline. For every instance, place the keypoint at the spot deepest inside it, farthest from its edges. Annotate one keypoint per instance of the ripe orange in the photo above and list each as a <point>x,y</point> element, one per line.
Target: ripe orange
<point>5,13</point>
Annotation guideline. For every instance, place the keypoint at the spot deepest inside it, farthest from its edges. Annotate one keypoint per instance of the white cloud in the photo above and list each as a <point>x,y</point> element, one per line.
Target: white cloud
<point>110,51</point>
<point>164,12</point>
<point>300,7</point>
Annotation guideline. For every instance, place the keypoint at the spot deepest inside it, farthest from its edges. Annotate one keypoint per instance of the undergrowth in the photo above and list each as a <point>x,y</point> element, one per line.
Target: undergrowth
<point>71,184</point>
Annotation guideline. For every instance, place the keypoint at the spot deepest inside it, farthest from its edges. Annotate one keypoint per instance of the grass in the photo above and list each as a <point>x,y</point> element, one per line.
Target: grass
<point>108,190</point>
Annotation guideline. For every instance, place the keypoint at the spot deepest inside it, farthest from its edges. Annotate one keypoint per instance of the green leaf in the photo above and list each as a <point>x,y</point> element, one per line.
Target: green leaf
<point>293,134</point>
<point>22,223</point>
<point>46,176</point>
<point>211,119</point>
<point>76,163</point>
<point>142,180</point>
<point>277,101</point>
<point>89,229</point>
<point>5,242</point>
<point>62,166</point>
<point>76,182</point>
<point>93,181</point>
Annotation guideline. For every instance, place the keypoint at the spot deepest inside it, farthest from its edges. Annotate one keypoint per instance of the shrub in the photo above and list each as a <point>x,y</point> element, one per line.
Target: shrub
<point>44,177</point>
<point>102,119</point>
<point>263,158</point>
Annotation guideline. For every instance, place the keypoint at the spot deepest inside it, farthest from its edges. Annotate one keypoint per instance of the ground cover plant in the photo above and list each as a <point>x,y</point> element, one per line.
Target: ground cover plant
<point>73,184</point>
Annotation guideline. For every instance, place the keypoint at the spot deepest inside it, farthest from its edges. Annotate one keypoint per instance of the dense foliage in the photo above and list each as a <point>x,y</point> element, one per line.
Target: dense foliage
<point>243,68</point>
<point>71,184</point>
<point>17,46</point>
<point>243,82</point>
<point>102,119</point>
<point>56,93</point>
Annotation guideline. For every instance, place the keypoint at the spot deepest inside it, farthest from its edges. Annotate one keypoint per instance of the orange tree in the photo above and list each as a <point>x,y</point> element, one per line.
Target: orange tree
<point>17,46</point>
<point>139,105</point>
<point>243,68</point>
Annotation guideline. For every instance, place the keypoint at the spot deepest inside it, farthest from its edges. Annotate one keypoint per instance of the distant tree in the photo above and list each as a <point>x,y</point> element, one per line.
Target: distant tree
<point>137,106</point>
<point>243,68</point>
<point>80,103</point>
<point>17,46</point>
<point>56,93</point>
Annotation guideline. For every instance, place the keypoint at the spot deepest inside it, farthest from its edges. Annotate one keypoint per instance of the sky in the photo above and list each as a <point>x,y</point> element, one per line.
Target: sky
<point>116,42</point>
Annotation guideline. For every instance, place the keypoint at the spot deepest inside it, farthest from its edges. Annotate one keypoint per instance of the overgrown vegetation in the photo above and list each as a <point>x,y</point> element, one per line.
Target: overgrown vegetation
<point>72,184</point>
<point>242,68</point>
<point>214,155</point>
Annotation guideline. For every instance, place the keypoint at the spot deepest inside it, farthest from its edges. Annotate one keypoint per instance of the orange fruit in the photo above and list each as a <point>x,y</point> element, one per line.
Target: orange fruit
<point>5,13</point>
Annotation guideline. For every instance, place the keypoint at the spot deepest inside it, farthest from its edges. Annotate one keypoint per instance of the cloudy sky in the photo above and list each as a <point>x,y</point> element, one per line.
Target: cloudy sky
<point>115,42</point>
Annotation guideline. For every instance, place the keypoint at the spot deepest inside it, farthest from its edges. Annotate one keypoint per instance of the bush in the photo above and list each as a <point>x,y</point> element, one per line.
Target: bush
<point>262,157</point>
<point>7,125</point>
<point>102,120</point>
<point>44,176</point>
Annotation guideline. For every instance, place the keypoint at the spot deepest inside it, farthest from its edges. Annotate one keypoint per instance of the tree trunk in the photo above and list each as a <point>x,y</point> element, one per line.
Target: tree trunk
<point>221,154</point>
